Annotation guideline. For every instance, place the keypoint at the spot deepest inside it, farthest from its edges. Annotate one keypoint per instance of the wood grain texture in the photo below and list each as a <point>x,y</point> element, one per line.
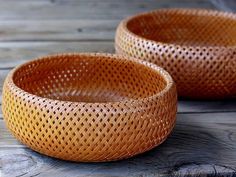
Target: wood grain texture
<point>57,30</point>
<point>62,9</point>
<point>200,144</point>
<point>15,53</point>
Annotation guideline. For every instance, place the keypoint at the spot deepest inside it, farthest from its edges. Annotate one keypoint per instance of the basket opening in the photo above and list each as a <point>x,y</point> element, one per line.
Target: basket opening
<point>185,27</point>
<point>83,78</point>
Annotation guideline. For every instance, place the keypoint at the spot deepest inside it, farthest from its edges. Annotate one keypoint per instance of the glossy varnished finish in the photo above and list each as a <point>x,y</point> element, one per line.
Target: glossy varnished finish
<point>196,46</point>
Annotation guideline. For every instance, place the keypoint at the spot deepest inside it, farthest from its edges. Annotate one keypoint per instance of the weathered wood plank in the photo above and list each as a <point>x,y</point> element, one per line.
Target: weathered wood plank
<point>58,30</point>
<point>14,53</point>
<point>3,74</point>
<point>200,145</point>
<point>86,9</point>
<point>204,106</point>
<point>6,139</point>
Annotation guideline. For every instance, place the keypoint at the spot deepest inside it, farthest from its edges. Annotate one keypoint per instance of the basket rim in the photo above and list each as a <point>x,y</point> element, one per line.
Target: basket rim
<point>199,11</point>
<point>164,74</point>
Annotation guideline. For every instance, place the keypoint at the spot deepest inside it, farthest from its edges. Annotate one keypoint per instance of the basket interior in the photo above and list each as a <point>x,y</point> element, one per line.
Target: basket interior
<point>82,78</point>
<point>186,27</point>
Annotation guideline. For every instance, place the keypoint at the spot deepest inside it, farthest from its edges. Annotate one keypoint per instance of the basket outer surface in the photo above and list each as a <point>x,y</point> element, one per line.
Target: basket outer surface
<point>197,47</point>
<point>89,107</point>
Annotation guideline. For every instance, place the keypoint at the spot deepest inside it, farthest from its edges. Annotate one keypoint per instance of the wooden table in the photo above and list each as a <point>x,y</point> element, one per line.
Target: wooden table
<point>204,139</point>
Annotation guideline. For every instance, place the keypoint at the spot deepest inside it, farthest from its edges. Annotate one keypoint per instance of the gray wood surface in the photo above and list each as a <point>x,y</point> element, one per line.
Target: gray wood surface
<point>83,9</point>
<point>58,30</point>
<point>15,53</point>
<point>203,142</point>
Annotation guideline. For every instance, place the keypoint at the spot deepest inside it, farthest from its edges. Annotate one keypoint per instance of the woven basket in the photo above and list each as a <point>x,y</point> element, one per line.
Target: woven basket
<point>89,107</point>
<point>197,47</point>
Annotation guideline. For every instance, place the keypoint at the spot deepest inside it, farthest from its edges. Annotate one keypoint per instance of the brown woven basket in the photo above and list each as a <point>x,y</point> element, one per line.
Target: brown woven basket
<point>197,47</point>
<point>89,107</point>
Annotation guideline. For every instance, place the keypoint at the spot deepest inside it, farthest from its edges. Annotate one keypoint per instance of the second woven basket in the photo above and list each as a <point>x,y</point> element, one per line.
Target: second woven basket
<point>198,48</point>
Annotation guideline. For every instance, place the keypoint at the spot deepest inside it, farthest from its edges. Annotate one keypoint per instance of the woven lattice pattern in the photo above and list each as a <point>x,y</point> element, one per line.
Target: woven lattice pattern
<point>89,107</point>
<point>197,47</point>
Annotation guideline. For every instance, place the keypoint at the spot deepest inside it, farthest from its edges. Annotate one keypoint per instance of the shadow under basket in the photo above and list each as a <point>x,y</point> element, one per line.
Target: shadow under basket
<point>197,47</point>
<point>89,107</point>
